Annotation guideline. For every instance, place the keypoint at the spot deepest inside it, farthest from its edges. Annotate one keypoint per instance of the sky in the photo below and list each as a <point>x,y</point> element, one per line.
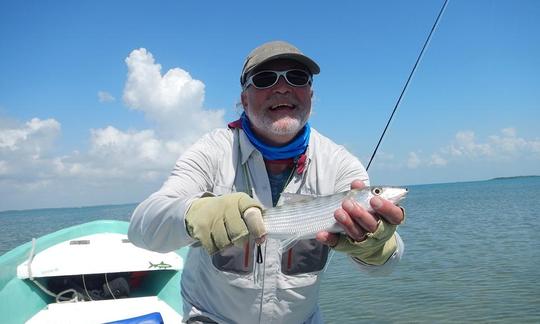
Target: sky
<point>99,98</point>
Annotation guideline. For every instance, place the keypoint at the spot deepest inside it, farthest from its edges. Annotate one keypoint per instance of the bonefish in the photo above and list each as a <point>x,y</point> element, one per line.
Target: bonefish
<point>302,216</point>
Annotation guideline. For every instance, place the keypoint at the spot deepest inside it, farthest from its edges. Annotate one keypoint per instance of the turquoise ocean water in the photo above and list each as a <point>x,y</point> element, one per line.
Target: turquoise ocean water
<point>472,255</point>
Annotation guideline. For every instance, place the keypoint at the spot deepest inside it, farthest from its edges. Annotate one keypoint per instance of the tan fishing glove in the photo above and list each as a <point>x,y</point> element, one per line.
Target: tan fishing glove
<point>218,222</point>
<point>376,249</point>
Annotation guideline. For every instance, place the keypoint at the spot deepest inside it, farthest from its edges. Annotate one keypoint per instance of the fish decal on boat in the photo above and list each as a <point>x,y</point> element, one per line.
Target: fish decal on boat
<point>161,265</point>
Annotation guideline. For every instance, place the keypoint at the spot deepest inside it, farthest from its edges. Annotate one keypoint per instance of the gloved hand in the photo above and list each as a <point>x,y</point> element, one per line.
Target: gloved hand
<point>376,249</point>
<point>218,222</point>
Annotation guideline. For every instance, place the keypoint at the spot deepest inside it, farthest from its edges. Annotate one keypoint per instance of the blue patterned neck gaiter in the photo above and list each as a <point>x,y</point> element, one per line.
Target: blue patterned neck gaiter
<point>295,148</point>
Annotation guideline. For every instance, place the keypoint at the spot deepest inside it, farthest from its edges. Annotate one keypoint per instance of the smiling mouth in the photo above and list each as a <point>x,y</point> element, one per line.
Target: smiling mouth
<point>282,107</point>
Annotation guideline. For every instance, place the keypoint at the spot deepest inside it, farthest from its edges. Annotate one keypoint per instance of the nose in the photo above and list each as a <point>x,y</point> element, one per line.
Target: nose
<point>281,86</point>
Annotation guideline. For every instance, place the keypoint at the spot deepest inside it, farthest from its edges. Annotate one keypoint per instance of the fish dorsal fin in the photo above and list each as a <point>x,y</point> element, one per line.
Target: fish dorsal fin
<point>290,198</point>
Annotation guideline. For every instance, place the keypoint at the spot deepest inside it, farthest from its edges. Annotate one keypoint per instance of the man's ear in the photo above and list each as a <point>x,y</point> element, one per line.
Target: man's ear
<point>311,93</point>
<point>243,98</point>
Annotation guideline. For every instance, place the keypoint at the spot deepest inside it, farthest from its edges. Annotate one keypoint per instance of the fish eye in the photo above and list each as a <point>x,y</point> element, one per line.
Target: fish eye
<point>376,191</point>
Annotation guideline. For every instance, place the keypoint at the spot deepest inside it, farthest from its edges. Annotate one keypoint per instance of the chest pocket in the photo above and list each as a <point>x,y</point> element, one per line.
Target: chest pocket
<point>234,259</point>
<point>304,257</point>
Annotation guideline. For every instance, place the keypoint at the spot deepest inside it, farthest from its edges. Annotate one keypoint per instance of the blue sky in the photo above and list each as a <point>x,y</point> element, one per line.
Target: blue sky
<point>98,98</point>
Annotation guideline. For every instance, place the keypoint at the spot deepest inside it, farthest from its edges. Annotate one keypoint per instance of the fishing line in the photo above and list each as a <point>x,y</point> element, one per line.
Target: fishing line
<point>331,254</point>
<point>408,80</point>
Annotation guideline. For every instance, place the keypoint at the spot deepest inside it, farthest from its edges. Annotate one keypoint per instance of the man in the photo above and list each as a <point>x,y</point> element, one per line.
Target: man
<point>218,188</point>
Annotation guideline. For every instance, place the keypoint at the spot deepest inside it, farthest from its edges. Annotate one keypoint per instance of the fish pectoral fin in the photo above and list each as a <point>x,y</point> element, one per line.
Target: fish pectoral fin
<point>289,198</point>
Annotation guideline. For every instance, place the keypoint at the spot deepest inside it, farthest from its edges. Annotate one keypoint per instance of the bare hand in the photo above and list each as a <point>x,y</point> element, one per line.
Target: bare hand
<point>357,222</point>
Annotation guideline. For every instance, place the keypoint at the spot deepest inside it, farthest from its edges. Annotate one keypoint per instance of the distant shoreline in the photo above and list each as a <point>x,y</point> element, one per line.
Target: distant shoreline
<point>68,207</point>
<point>135,204</point>
<point>478,180</point>
<point>514,177</point>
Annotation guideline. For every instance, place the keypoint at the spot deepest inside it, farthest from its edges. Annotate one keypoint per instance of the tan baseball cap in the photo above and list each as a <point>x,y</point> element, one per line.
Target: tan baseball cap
<point>276,50</point>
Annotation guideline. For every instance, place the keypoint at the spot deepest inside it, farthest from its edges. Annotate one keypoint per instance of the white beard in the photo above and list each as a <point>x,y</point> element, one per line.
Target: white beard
<point>289,126</point>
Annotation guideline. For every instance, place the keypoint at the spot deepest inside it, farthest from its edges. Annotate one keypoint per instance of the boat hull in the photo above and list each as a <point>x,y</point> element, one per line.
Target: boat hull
<point>21,299</point>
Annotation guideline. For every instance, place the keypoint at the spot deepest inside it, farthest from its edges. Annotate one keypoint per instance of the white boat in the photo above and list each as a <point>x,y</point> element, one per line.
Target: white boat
<point>90,273</point>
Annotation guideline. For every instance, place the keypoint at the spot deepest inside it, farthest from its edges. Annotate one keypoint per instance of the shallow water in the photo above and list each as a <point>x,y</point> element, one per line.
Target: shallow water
<point>471,256</point>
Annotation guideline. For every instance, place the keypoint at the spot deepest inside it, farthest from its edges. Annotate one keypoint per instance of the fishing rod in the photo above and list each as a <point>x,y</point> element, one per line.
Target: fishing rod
<point>400,97</point>
<point>408,80</point>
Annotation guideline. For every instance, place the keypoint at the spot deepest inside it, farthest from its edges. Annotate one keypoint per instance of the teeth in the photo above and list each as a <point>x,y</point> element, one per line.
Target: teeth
<point>281,105</point>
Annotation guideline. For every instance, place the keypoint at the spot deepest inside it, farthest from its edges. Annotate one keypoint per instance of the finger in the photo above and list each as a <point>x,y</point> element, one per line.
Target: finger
<point>255,224</point>
<point>390,212</point>
<point>360,216</point>
<point>327,238</point>
<point>355,231</point>
<point>357,184</point>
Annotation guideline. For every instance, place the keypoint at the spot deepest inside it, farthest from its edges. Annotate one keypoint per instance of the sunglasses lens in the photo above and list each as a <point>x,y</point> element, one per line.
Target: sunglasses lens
<point>264,79</point>
<point>297,77</point>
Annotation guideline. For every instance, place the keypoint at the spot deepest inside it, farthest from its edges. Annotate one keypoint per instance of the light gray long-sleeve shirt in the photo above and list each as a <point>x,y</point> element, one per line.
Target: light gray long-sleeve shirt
<point>231,287</point>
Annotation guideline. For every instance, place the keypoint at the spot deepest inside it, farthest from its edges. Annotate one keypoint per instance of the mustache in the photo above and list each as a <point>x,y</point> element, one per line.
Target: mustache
<point>281,99</point>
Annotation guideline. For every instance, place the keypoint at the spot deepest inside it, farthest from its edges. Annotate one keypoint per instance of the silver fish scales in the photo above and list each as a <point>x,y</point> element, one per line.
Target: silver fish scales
<point>301,217</point>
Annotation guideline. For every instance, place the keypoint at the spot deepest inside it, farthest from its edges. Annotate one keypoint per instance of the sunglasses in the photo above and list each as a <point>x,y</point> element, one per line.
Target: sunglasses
<point>268,78</point>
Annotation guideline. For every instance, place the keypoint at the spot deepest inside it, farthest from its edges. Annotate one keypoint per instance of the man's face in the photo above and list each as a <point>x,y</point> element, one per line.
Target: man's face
<point>277,113</point>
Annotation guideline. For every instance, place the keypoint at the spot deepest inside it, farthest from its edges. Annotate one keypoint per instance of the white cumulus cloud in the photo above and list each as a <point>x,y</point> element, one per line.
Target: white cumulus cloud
<point>134,153</point>
<point>119,165</point>
<point>26,152</point>
<point>508,143</point>
<point>466,147</point>
<point>174,100</point>
<point>34,135</point>
<point>104,96</point>
<point>413,161</point>
<point>437,160</point>
<point>501,146</point>
<point>4,168</point>
<point>466,144</point>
